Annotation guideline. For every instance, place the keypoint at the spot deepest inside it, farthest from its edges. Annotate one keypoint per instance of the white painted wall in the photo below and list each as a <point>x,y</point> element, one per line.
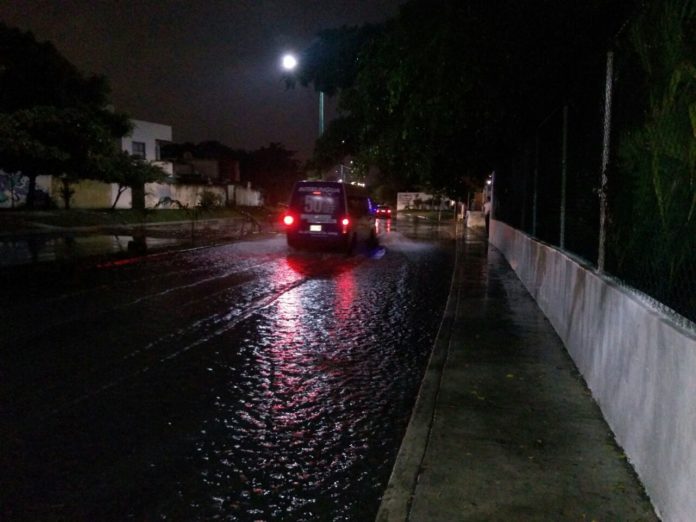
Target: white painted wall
<point>97,195</point>
<point>639,363</point>
<point>188,195</point>
<point>15,187</point>
<point>405,199</point>
<point>245,196</point>
<point>125,200</point>
<point>475,219</point>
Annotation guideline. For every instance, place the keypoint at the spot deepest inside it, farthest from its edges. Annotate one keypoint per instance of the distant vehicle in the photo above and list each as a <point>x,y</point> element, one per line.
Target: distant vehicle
<point>383,211</point>
<point>329,213</point>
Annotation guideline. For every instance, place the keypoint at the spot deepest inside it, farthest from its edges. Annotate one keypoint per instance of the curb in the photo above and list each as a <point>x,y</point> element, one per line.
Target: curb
<point>398,495</point>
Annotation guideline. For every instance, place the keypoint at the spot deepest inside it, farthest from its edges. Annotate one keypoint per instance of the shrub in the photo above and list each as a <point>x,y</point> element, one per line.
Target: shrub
<point>210,200</point>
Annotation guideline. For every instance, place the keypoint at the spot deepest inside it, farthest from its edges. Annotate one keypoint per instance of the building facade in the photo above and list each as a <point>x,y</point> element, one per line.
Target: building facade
<point>146,142</point>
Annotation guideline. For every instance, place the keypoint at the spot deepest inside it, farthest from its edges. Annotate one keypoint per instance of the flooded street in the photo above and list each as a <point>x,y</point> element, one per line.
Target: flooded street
<point>237,382</point>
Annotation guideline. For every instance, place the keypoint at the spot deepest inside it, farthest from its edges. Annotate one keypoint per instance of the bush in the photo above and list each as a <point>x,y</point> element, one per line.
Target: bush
<point>210,200</point>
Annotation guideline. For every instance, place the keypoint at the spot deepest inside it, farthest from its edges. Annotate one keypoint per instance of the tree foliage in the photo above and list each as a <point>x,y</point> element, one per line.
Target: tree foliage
<point>443,92</point>
<point>35,74</point>
<point>129,172</point>
<point>273,169</point>
<point>53,119</point>
<point>333,59</point>
<point>70,142</point>
<point>658,154</point>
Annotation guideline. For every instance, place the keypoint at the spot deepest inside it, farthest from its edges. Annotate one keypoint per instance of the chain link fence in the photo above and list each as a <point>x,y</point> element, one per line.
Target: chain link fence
<point>610,175</point>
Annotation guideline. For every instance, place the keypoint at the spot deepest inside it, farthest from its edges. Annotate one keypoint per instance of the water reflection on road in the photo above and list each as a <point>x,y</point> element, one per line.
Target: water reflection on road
<point>237,382</point>
<point>40,249</point>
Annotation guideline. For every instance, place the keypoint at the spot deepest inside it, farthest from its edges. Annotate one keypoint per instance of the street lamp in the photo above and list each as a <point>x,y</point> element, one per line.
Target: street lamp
<point>289,63</point>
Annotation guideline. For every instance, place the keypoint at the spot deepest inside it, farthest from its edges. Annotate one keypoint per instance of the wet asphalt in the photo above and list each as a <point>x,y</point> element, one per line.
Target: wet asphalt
<point>241,381</point>
<point>504,427</point>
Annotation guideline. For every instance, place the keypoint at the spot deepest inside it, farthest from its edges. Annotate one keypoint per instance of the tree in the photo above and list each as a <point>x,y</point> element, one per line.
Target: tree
<point>70,143</point>
<point>337,142</point>
<point>274,169</point>
<point>130,172</point>
<point>53,120</point>
<point>445,90</point>
<point>35,74</point>
<point>656,213</point>
<point>332,61</point>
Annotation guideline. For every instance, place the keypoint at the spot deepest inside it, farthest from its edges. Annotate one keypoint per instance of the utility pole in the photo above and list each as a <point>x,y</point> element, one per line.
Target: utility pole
<point>608,90</point>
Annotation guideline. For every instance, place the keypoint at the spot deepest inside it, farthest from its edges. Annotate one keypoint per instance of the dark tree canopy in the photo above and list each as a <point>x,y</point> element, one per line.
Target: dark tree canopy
<point>53,119</point>
<point>274,169</point>
<point>34,73</point>
<point>333,59</point>
<point>440,94</point>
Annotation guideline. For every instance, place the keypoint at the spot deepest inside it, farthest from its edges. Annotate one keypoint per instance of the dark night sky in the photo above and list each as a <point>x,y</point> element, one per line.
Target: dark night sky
<point>210,69</point>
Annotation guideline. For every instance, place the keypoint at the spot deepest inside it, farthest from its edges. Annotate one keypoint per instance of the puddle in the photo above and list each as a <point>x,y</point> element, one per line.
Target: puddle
<point>42,249</point>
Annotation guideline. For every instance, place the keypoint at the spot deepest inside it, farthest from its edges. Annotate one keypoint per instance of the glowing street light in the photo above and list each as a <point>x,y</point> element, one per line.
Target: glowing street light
<point>289,62</point>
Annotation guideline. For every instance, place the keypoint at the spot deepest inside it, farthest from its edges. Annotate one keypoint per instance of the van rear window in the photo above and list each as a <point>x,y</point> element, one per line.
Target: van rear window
<point>317,200</point>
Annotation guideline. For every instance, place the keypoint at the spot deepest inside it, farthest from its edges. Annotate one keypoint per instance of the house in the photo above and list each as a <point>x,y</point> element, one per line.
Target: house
<point>207,162</point>
<point>146,142</point>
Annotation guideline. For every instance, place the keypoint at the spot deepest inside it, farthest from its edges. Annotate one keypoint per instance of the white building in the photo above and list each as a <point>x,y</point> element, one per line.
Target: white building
<point>146,140</point>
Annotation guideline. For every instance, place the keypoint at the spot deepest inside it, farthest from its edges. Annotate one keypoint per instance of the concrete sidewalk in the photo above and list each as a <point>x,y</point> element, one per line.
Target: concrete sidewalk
<point>504,427</point>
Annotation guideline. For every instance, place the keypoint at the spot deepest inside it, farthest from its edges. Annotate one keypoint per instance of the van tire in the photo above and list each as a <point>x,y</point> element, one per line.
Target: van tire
<point>372,240</point>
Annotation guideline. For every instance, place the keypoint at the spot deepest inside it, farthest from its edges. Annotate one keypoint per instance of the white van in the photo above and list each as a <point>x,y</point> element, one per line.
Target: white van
<point>329,213</point>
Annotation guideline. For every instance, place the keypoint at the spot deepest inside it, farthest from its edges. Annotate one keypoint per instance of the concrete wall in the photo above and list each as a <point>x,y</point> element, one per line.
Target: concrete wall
<point>245,196</point>
<point>187,195</point>
<point>90,194</point>
<point>639,363</point>
<point>475,219</point>
<point>405,200</point>
<point>14,188</point>
<point>87,194</point>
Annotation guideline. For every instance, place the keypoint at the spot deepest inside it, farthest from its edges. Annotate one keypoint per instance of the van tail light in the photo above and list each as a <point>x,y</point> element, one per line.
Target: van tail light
<point>288,220</point>
<point>345,223</point>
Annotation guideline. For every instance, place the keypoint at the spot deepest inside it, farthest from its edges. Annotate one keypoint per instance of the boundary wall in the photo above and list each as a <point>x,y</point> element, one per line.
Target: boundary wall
<point>89,194</point>
<point>639,363</point>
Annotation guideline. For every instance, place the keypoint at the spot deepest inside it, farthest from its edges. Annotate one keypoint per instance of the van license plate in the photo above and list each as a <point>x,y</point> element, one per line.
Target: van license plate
<point>315,228</point>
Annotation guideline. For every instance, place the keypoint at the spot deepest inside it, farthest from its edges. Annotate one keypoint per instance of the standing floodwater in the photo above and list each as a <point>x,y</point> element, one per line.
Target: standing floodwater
<point>237,382</point>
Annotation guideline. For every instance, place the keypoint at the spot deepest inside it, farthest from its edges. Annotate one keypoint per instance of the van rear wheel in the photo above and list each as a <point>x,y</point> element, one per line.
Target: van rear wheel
<point>372,240</point>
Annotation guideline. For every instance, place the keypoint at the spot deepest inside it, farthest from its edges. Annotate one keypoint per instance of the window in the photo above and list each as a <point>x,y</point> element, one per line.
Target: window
<point>139,149</point>
<point>161,149</point>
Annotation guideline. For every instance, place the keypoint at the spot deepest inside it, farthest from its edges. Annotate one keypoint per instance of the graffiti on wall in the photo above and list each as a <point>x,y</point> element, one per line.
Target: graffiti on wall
<point>13,189</point>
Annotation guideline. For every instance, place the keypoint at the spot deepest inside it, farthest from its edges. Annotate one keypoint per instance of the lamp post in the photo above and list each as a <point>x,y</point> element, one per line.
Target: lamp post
<point>290,63</point>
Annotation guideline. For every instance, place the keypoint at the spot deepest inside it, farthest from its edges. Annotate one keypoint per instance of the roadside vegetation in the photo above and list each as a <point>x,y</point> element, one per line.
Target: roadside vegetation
<point>653,244</point>
<point>108,217</point>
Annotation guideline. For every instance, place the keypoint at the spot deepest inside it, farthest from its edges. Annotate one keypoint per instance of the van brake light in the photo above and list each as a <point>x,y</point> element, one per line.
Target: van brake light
<point>345,222</point>
<point>288,220</point>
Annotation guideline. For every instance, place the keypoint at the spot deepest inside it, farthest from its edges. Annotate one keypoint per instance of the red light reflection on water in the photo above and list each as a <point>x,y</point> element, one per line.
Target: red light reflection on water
<point>345,294</point>
<point>321,266</point>
<point>383,226</point>
<point>301,368</point>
